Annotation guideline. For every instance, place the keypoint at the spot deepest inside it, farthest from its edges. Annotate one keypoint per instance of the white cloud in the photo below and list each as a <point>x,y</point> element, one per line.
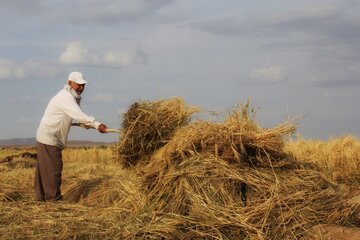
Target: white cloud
<point>9,69</point>
<point>6,68</point>
<point>102,97</point>
<point>75,53</point>
<point>79,54</point>
<point>271,74</point>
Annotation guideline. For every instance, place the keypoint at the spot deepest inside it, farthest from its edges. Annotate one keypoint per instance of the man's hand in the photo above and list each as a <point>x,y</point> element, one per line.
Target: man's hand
<point>102,128</point>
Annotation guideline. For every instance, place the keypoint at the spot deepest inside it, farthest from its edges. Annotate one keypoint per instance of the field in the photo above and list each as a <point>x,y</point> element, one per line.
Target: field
<point>200,180</point>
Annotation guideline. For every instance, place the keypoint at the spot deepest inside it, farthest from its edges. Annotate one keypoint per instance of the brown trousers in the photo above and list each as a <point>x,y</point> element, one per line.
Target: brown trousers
<point>48,172</point>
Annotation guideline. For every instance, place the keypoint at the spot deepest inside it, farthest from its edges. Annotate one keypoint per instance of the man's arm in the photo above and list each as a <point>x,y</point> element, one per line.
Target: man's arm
<point>71,108</point>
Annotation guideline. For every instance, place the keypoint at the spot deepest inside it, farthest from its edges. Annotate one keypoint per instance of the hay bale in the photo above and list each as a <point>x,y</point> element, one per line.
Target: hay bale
<point>148,126</point>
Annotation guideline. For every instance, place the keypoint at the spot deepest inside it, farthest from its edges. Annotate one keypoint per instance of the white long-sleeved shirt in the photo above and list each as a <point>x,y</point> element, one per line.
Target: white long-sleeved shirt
<point>55,125</point>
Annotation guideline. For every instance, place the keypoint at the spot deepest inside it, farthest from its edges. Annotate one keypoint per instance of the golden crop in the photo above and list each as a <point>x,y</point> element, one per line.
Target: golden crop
<point>197,180</point>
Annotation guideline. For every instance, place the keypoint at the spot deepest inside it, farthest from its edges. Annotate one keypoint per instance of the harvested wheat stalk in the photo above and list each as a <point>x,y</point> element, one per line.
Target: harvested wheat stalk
<point>148,126</point>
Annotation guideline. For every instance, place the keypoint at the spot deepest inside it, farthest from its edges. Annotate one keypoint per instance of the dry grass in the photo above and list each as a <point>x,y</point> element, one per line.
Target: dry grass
<point>338,158</point>
<point>196,180</point>
<point>148,126</point>
<point>234,180</point>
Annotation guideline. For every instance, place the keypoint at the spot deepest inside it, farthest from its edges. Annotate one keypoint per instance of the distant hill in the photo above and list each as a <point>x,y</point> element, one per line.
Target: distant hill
<point>32,142</point>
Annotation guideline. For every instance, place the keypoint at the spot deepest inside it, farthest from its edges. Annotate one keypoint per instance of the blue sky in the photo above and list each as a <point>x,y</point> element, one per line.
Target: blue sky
<point>289,57</point>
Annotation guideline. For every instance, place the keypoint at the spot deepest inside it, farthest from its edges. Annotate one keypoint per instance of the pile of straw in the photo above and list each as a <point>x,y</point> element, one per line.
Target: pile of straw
<point>239,140</point>
<point>233,180</point>
<point>148,126</point>
<point>201,198</point>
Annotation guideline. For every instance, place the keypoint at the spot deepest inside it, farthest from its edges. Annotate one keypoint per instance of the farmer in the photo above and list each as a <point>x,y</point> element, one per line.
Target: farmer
<point>52,135</point>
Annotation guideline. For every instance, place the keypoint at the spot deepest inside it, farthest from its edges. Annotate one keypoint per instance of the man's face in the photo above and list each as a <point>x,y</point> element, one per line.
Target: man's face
<point>78,88</point>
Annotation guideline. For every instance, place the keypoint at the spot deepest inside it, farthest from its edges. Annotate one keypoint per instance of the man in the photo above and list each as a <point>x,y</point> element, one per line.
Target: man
<point>52,135</point>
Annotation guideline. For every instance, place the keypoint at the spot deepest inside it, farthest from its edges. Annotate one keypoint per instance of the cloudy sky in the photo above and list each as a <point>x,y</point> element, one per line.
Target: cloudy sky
<point>290,57</point>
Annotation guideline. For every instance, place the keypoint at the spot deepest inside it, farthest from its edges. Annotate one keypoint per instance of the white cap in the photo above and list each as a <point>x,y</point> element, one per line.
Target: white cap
<point>77,77</point>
